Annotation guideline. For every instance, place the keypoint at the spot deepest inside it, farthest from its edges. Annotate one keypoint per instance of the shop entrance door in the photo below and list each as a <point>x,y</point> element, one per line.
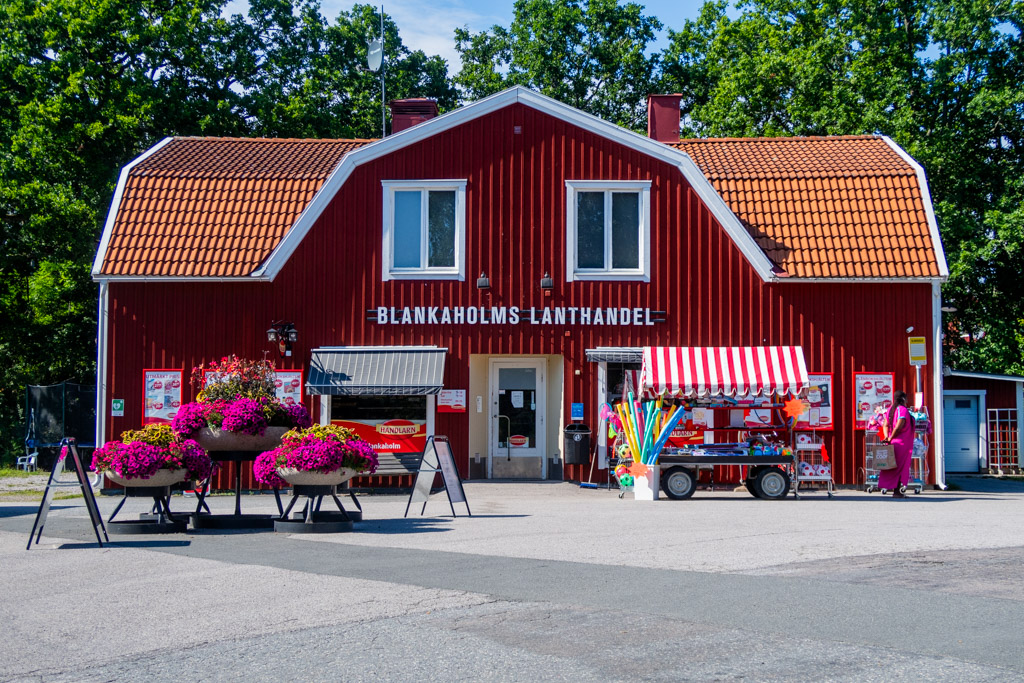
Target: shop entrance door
<point>516,434</point>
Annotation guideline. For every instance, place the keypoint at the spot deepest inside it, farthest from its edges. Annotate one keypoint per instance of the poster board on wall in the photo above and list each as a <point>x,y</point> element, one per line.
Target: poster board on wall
<point>818,404</point>
<point>871,390</point>
<point>288,386</point>
<point>161,395</point>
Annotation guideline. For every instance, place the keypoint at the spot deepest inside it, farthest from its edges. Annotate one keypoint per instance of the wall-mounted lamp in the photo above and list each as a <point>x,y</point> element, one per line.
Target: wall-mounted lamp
<point>546,282</point>
<point>483,282</point>
<point>284,333</point>
<point>910,329</point>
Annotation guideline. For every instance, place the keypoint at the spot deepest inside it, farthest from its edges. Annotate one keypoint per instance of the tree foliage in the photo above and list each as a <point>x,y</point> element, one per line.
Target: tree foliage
<point>87,86</point>
<point>590,54</point>
<point>941,77</point>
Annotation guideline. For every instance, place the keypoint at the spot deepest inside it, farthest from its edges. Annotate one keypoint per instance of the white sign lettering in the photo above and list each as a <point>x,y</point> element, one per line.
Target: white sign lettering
<point>513,315</point>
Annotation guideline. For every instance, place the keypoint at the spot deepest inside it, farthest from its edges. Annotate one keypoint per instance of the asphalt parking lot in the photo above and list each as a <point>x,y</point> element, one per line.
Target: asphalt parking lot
<point>544,582</point>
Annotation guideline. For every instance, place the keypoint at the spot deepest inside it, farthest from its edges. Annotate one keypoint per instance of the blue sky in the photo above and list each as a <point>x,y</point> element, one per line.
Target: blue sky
<point>429,25</point>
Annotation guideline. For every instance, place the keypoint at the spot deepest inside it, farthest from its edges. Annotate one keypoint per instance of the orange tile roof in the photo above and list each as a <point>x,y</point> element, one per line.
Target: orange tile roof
<point>824,207</point>
<point>215,207</point>
<point>846,207</point>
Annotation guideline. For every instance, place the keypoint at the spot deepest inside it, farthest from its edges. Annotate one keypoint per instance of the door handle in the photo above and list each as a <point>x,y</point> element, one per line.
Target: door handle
<point>508,444</point>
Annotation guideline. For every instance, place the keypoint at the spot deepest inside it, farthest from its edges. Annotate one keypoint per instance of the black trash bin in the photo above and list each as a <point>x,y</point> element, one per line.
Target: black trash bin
<point>577,444</point>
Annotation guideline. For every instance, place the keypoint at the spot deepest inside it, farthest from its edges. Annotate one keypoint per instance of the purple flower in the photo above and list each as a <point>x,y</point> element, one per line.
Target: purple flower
<point>245,416</point>
<point>190,418</point>
<point>265,470</point>
<point>138,459</point>
<point>299,416</point>
<point>316,449</point>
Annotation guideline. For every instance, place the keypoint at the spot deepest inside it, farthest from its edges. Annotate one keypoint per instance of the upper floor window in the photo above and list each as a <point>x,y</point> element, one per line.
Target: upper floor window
<point>608,230</point>
<point>424,229</point>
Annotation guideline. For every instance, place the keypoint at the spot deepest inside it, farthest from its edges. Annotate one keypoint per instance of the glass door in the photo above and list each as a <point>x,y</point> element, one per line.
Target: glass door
<point>517,420</point>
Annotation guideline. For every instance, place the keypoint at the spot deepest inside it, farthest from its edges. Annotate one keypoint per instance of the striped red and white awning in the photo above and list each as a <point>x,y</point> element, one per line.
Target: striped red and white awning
<point>715,371</point>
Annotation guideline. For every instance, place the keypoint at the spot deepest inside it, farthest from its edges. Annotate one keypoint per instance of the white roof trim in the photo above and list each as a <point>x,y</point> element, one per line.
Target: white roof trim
<point>115,205</point>
<point>517,94</point>
<point>982,375</point>
<point>929,210</point>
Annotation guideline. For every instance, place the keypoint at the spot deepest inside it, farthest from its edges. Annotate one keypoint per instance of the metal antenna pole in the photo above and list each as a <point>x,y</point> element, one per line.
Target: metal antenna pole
<point>383,106</point>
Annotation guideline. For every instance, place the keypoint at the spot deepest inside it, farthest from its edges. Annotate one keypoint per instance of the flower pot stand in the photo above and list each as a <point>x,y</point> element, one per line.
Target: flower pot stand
<point>236,520</point>
<point>313,520</point>
<point>160,521</point>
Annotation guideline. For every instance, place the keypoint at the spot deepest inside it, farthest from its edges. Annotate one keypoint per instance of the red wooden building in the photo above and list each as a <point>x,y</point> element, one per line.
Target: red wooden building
<point>517,254</point>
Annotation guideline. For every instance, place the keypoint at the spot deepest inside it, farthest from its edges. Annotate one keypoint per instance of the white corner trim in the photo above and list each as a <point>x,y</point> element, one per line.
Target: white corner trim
<point>516,94</point>
<point>102,340</point>
<point>115,204</point>
<point>938,409</point>
<point>929,209</point>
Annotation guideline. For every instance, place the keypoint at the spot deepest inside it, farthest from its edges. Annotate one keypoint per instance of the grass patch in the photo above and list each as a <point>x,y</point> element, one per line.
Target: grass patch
<point>13,473</point>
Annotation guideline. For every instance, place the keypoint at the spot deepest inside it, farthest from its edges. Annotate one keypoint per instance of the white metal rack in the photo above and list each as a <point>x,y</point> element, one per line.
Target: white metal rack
<point>811,463</point>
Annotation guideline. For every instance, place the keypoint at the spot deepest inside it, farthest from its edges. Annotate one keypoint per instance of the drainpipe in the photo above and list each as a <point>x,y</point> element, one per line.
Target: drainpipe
<point>938,421</point>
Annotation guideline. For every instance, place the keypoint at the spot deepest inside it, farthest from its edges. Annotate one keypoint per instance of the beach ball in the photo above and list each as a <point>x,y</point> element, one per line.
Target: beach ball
<point>626,480</point>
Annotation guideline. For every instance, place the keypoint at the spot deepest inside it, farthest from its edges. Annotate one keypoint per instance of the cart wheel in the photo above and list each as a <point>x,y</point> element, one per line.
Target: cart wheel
<point>621,494</point>
<point>903,489</point>
<point>678,483</point>
<point>917,491</point>
<point>772,483</point>
<point>751,482</point>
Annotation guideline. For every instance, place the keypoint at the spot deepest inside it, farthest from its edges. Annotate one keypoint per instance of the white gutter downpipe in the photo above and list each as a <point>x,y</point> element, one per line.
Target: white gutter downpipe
<point>102,335</point>
<point>938,420</point>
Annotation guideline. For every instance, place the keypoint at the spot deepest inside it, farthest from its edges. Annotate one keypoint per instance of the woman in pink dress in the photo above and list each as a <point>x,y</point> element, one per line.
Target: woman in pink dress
<point>900,434</point>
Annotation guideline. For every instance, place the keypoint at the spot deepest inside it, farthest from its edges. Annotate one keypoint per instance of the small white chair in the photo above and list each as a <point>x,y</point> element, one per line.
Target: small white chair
<point>28,462</point>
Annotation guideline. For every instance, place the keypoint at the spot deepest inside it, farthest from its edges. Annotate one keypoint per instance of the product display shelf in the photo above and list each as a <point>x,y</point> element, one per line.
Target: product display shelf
<point>811,462</point>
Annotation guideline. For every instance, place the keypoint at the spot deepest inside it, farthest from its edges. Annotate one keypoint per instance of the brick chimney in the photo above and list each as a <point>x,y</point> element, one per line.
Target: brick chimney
<point>409,112</point>
<point>663,117</point>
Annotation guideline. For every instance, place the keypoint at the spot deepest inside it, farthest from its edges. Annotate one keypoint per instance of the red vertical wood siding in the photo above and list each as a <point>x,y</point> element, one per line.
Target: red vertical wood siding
<point>515,214</point>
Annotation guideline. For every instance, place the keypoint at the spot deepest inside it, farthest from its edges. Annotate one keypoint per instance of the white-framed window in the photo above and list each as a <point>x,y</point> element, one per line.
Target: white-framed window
<point>608,230</point>
<point>424,229</point>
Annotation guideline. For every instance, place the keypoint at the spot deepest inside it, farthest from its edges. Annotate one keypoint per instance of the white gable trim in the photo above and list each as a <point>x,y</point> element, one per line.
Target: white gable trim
<point>115,205</point>
<point>739,235</point>
<point>929,210</point>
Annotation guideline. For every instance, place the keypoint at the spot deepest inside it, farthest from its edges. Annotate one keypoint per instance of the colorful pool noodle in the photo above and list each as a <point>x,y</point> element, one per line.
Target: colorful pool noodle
<point>665,433</point>
<point>632,407</point>
<point>627,427</point>
<point>648,432</point>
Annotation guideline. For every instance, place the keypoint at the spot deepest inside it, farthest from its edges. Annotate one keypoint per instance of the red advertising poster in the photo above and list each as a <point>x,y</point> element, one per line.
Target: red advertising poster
<point>390,436</point>
<point>872,393</point>
<point>451,401</point>
<point>288,386</point>
<point>818,404</point>
<point>161,395</point>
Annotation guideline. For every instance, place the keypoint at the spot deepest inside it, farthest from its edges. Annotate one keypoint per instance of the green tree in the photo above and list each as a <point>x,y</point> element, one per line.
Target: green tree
<point>87,86</point>
<point>590,54</point>
<point>941,77</point>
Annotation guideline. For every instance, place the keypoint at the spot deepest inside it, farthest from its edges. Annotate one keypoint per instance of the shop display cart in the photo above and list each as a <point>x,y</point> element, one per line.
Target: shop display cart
<point>766,454</point>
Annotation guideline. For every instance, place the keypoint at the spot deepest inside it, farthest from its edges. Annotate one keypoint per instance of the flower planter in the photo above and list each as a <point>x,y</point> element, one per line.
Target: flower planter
<point>214,440</point>
<point>159,479</point>
<point>300,478</point>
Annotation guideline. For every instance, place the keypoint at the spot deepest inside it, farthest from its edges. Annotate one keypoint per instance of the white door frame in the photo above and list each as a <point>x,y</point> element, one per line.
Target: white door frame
<point>538,363</point>
<point>979,394</point>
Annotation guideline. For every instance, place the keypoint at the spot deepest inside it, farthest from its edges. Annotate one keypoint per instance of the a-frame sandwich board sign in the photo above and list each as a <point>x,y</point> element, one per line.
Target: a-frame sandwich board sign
<point>68,447</point>
<point>437,457</point>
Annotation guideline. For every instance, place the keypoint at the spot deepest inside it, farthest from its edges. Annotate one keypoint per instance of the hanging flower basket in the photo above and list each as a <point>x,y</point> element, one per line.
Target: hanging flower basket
<point>319,455</point>
<point>161,478</point>
<point>153,456</point>
<point>213,439</point>
<point>238,410</point>
<point>297,477</point>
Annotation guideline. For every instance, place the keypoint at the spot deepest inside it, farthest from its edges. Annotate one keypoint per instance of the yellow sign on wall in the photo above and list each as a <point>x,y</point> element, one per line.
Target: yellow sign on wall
<point>918,350</point>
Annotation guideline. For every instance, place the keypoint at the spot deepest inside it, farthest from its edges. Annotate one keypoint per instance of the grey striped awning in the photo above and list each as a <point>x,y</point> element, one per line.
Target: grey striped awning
<point>377,370</point>
<point>616,354</point>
